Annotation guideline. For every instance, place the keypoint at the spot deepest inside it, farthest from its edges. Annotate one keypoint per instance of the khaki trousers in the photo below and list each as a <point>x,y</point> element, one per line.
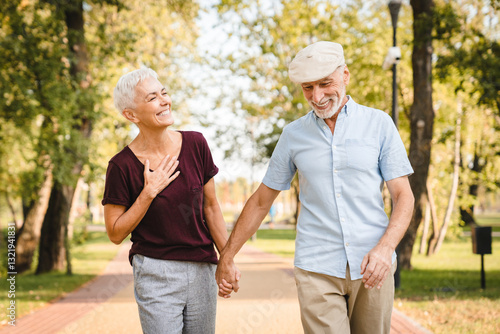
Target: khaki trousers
<point>336,305</point>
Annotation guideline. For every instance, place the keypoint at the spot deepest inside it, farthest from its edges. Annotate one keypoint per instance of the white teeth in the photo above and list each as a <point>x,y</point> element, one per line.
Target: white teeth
<point>323,105</point>
<point>164,113</point>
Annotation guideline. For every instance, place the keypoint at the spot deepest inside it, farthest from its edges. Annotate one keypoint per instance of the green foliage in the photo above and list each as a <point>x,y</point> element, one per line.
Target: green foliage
<point>467,68</point>
<point>43,106</point>
<point>469,32</point>
<point>272,33</point>
<point>142,33</point>
<point>37,91</point>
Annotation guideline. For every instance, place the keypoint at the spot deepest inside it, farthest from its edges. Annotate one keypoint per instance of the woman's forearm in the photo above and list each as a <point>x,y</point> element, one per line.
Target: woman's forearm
<point>120,222</point>
<point>216,225</point>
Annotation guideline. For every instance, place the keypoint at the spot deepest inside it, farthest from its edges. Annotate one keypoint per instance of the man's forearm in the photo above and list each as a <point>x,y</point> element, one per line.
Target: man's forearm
<point>247,224</point>
<point>399,220</point>
<point>251,217</point>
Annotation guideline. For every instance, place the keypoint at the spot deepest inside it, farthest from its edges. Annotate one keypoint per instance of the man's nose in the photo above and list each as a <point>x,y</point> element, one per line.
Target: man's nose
<point>317,94</point>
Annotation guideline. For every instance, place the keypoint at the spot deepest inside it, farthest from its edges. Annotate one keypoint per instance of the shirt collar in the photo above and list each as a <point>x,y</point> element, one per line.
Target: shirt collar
<point>349,106</point>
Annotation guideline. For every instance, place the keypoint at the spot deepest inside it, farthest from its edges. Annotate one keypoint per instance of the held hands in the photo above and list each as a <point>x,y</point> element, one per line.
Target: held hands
<point>376,266</point>
<point>227,277</point>
<point>163,175</point>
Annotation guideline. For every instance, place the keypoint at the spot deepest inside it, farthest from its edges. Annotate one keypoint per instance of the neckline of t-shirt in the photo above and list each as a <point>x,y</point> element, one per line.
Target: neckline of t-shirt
<point>152,170</point>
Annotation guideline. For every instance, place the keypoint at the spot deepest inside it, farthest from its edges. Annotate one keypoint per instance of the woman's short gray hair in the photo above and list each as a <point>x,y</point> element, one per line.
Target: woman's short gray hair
<point>124,93</point>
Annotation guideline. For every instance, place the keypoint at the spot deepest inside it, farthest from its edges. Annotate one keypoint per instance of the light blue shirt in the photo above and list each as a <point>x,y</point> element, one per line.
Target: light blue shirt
<point>341,178</point>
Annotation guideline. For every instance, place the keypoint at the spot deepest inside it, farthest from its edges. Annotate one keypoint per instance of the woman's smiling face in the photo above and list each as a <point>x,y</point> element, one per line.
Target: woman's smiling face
<point>152,104</point>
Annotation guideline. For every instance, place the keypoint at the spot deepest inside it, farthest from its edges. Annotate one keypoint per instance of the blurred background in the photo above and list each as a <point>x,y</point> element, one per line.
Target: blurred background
<point>224,63</point>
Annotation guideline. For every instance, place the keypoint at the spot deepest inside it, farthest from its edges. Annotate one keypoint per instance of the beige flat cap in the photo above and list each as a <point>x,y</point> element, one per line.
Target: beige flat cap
<point>316,61</point>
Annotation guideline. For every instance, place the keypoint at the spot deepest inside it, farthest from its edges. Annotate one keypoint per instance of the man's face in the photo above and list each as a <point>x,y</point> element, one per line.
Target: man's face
<point>327,95</point>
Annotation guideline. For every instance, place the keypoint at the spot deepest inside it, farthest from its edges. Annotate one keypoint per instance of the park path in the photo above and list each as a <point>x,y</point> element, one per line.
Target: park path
<point>266,304</point>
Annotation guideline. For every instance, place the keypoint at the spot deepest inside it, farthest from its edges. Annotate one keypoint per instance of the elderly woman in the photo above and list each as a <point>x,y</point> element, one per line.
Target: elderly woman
<point>160,189</point>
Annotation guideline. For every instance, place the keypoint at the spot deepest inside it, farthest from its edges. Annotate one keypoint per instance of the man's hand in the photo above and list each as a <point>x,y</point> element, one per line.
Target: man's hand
<point>227,277</point>
<point>376,266</point>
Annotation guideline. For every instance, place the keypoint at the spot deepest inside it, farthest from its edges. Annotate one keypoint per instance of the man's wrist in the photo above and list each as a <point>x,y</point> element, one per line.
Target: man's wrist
<point>386,247</point>
<point>225,256</point>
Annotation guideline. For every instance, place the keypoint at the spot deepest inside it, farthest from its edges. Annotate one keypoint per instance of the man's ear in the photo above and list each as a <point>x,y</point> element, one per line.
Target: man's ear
<point>130,115</point>
<point>347,75</point>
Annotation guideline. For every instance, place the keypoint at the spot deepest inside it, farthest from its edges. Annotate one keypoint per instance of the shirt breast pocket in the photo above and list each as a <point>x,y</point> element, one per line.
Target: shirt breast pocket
<point>196,189</point>
<point>362,153</point>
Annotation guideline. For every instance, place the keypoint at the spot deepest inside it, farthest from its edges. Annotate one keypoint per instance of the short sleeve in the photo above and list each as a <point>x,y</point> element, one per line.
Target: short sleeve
<point>281,168</point>
<point>394,160</point>
<point>116,187</point>
<point>209,167</point>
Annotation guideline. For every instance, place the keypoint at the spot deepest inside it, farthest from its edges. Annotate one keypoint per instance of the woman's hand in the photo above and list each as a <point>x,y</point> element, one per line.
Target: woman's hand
<point>157,180</point>
<point>120,221</point>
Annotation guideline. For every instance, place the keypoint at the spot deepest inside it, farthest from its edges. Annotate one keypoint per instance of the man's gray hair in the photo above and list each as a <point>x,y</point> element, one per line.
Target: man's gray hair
<point>340,68</point>
<point>124,93</point>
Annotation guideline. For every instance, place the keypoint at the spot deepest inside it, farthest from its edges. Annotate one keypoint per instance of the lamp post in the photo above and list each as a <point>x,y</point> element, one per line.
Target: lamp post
<point>394,6</point>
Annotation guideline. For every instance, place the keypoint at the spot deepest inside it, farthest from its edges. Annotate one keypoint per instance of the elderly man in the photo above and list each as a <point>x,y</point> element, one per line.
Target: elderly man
<point>345,246</point>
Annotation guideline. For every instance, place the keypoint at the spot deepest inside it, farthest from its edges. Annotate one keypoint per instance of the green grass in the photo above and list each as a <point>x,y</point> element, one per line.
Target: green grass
<point>443,292</point>
<point>35,291</point>
<point>279,242</point>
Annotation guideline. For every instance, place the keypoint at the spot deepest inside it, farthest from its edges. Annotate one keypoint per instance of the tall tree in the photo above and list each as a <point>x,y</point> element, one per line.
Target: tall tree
<point>421,119</point>
<point>54,247</point>
<point>468,31</point>
<point>35,96</point>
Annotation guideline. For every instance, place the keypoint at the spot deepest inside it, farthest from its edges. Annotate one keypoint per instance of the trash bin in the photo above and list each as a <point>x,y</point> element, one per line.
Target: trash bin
<point>481,244</point>
<point>481,239</point>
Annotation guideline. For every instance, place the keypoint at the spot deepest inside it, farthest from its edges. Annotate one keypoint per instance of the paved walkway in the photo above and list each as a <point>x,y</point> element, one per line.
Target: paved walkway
<point>267,303</point>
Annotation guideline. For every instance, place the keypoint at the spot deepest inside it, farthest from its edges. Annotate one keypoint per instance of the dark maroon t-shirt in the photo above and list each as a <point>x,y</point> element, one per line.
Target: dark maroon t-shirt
<point>174,227</point>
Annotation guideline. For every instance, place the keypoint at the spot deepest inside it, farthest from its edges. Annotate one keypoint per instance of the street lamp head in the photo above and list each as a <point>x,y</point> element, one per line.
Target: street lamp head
<point>394,6</point>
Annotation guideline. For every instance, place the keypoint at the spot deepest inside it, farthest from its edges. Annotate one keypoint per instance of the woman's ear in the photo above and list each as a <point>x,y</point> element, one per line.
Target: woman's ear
<point>130,115</point>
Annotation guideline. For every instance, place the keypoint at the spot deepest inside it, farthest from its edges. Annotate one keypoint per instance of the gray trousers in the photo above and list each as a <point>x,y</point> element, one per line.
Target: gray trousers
<point>175,296</point>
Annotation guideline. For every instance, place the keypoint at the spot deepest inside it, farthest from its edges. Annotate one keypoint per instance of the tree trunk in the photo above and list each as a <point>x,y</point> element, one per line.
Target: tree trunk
<point>454,187</point>
<point>435,225</point>
<point>54,249</point>
<point>52,253</point>
<point>425,230</point>
<point>29,236</point>
<point>421,119</point>
<point>11,208</point>
<point>73,214</point>
<point>467,213</point>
